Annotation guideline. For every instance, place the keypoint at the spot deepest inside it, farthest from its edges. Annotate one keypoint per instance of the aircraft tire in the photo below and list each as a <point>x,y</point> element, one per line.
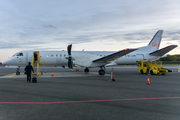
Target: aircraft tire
<point>142,72</point>
<point>17,73</point>
<point>101,72</point>
<point>86,70</point>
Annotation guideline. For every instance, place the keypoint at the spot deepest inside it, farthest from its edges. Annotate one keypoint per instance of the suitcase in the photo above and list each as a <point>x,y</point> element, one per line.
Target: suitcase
<point>34,80</point>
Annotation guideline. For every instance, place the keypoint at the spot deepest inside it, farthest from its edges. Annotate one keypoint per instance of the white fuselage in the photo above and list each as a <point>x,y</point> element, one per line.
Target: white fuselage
<point>80,58</point>
<point>90,59</point>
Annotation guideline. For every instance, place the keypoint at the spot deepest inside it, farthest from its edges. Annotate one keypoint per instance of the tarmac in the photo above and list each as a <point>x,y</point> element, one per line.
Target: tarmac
<point>77,95</point>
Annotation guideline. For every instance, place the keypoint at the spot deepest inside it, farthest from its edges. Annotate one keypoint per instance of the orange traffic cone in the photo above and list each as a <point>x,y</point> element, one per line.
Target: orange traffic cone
<point>52,74</point>
<point>148,81</point>
<point>45,71</point>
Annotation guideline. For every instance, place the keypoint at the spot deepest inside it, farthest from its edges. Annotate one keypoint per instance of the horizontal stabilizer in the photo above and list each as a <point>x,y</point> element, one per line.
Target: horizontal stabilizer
<point>163,51</point>
<point>114,56</point>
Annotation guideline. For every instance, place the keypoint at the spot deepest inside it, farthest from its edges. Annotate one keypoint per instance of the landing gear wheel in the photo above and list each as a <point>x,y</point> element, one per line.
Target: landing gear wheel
<point>86,70</point>
<point>17,71</point>
<point>101,72</point>
<point>151,72</point>
<point>113,80</point>
<point>142,72</point>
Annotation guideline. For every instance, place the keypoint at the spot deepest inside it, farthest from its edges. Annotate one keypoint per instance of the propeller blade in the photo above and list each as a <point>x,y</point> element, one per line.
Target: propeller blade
<point>70,64</point>
<point>69,49</point>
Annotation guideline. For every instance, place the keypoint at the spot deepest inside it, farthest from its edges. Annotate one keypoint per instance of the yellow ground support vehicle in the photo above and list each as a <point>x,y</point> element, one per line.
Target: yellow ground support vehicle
<point>153,68</point>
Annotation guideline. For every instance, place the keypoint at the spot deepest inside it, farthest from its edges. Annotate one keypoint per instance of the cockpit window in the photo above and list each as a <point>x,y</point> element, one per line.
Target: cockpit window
<point>18,54</point>
<point>14,54</point>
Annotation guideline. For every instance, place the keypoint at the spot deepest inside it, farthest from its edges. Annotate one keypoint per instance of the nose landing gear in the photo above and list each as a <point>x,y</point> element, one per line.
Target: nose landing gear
<point>17,71</point>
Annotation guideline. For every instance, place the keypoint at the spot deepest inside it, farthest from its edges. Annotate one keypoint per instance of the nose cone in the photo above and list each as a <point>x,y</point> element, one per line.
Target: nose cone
<point>7,62</point>
<point>4,62</point>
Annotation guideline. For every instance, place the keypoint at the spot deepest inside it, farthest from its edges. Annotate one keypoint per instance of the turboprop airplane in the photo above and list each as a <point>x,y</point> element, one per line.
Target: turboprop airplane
<point>91,59</point>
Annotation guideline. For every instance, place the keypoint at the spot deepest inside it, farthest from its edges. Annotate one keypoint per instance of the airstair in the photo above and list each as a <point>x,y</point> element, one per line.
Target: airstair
<point>35,63</point>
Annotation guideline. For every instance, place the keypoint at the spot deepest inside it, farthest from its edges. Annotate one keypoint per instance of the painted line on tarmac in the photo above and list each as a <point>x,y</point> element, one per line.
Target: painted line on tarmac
<point>91,101</point>
<point>12,75</point>
<point>4,74</point>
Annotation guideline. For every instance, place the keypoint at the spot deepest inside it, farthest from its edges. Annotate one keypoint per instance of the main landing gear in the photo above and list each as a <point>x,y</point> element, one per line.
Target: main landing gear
<point>101,71</point>
<point>86,70</point>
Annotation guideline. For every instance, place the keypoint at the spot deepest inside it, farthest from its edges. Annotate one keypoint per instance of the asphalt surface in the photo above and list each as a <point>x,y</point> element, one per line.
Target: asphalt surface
<point>90,96</point>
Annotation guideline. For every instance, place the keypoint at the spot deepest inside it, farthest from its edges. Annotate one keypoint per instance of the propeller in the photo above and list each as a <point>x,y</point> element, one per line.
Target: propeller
<point>70,63</point>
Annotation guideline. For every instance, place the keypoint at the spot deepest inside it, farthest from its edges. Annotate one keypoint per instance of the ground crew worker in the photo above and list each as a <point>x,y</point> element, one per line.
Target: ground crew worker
<point>28,69</point>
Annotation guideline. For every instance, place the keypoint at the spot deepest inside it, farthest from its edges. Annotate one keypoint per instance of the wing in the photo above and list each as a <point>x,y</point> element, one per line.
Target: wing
<point>114,56</point>
<point>163,51</point>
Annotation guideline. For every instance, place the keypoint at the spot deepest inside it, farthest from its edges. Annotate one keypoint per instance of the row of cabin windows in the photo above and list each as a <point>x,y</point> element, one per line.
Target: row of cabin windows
<point>56,55</point>
<point>101,55</point>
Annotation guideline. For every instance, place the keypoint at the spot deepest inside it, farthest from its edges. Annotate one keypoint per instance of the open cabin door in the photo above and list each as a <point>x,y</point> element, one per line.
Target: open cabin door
<point>36,62</point>
<point>36,56</point>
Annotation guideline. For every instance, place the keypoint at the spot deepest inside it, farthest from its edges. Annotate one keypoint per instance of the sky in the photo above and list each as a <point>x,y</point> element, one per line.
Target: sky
<point>92,25</point>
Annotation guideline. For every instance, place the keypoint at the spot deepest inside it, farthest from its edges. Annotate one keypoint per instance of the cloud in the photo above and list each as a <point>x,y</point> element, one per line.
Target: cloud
<point>50,24</point>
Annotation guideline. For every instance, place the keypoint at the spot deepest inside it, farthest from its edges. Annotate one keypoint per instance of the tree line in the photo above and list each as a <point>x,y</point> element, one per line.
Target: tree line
<point>175,58</point>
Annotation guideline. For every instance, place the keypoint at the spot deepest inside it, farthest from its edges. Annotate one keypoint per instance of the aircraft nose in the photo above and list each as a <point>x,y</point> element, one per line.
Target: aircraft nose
<point>6,62</point>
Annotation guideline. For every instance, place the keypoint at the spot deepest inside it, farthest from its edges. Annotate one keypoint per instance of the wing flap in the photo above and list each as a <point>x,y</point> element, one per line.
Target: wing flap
<point>163,51</point>
<point>114,56</point>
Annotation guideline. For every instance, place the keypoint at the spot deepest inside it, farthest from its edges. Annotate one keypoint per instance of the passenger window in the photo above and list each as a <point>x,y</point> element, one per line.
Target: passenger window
<point>47,55</point>
<point>56,55</point>
<point>60,55</point>
<point>64,55</point>
<point>51,55</point>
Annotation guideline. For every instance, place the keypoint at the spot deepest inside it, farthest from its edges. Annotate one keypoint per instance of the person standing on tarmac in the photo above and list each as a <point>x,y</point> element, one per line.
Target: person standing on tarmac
<point>29,68</point>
